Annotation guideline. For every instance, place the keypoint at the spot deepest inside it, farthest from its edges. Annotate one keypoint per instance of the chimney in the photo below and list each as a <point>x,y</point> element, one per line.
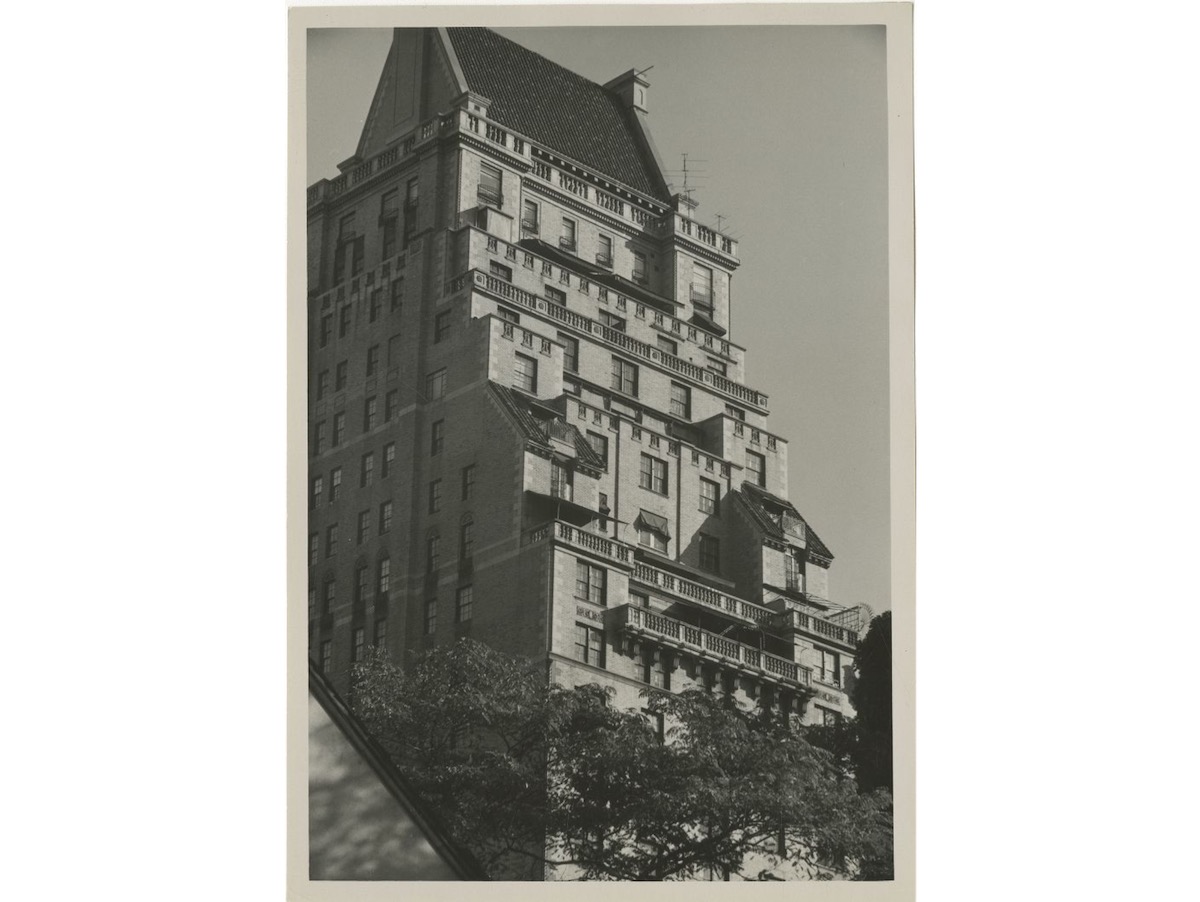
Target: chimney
<point>631,88</point>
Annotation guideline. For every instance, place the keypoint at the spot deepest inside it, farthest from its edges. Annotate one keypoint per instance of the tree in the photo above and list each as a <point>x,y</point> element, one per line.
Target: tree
<point>872,697</point>
<point>529,775</point>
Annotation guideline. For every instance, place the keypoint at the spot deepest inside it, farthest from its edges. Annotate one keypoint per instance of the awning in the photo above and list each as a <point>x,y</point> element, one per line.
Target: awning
<point>654,522</point>
<point>704,322</point>
<point>549,506</point>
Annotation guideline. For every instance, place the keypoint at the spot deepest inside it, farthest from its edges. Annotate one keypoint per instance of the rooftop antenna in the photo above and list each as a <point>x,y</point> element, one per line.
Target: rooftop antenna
<point>688,189</point>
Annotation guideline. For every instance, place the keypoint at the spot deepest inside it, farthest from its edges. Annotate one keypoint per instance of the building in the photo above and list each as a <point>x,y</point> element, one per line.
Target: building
<point>529,421</point>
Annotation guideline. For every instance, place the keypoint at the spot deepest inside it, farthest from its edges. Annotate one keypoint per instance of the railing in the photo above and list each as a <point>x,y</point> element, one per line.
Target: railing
<point>676,223</point>
<point>810,623</point>
<point>712,598</point>
<point>571,535</point>
<point>685,636</point>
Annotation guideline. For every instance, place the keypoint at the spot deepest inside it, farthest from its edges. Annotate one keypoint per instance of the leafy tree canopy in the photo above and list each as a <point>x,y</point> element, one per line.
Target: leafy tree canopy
<point>528,776</point>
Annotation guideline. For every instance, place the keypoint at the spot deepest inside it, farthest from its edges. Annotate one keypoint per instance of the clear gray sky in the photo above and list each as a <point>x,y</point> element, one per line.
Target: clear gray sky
<point>787,127</point>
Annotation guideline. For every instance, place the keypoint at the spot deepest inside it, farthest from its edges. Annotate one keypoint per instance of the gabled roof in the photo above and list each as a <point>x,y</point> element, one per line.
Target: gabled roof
<point>529,415</point>
<point>556,108</point>
<point>757,500</point>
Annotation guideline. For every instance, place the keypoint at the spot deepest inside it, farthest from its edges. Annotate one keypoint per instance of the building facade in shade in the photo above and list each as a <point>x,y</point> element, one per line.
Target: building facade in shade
<point>529,422</point>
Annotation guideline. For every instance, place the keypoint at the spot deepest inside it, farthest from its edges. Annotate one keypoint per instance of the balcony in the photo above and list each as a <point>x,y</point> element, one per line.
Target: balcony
<point>565,534</point>
<point>791,619</point>
<point>693,591</point>
<point>749,661</point>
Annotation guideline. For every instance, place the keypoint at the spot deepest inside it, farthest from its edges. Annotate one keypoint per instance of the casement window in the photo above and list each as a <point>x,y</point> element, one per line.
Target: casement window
<point>555,296</point>
<point>529,217</point>
<point>381,632</point>
<point>330,598</point>
<point>500,271</point>
<point>322,384</point>
<point>441,326</point>
<point>604,256</point>
<point>756,468</point>
<point>570,352</point>
<point>437,437</point>
<point>366,469</point>
<point>562,481</point>
<point>639,268</point>
<point>792,575</point>
<point>327,656</point>
<point>590,583</point>
<point>319,438</point>
<point>435,385</point>
<point>364,526</point>
<point>468,481</point>
<point>318,486</point>
<point>566,238</point>
<point>341,374</point>
<point>464,604</point>
<point>653,474</point>
<point>344,321</point>
<point>384,580</point>
<point>385,518</point>
<point>314,549</point>
<point>525,374</point>
<point>666,344</point>
<point>491,186</point>
<point>828,667</point>
<point>710,497</point>
<point>331,540</point>
<point>435,496</point>
<point>466,540</point>
<point>624,377</point>
<point>360,583</point>
<point>391,404</point>
<point>702,288</point>
<point>599,444</point>
<point>358,645</point>
<point>370,410</point>
<point>681,401</point>
<point>431,616</point>
<point>589,645</point>
<point>433,553</point>
<point>389,458</point>
<point>720,367</point>
<point>326,328</point>
<point>373,360</point>
<point>710,553</point>
<point>616,323</point>
<point>335,485</point>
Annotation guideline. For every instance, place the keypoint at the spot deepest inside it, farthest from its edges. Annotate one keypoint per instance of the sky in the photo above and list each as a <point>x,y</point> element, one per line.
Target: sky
<point>785,128</point>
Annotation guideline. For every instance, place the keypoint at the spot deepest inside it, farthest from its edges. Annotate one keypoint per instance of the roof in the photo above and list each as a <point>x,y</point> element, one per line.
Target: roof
<point>556,108</point>
<point>529,415</point>
<point>757,500</point>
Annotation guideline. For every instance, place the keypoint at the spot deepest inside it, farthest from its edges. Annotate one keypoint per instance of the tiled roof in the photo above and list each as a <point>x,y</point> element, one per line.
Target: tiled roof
<point>555,107</point>
<point>754,498</point>
<point>521,408</point>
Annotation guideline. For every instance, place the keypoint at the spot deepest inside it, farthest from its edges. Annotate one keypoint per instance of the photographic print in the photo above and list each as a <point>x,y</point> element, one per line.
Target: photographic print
<point>605,447</point>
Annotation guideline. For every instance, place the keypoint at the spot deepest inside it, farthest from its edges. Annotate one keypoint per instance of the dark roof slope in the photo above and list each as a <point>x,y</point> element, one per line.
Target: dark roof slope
<point>530,417</point>
<point>555,107</point>
<point>757,500</point>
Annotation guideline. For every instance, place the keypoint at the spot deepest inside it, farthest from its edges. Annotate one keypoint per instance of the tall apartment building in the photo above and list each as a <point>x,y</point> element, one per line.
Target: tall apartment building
<point>529,421</point>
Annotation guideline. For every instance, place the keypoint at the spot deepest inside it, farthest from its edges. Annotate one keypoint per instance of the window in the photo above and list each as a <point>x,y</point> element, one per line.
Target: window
<point>490,191</point>
<point>556,296</point>
<point>360,583</point>
<point>639,600</point>
<point>339,428</point>
<point>435,496</point>
<point>364,526</point>
<point>380,632</point>
<point>430,616</point>
<point>710,554</point>
<point>319,438</point>
<point>829,718</point>
<point>589,645</point>
<point>599,444</point>
<point>331,540</point>
<point>529,217</point>
<point>525,373</point>
<point>791,567</point>
<point>702,288</point>
<point>710,497</point>
<point>500,271</point>
<point>658,723</point>
<point>437,434</point>
<point>756,468</point>
<point>391,403</point>
<point>666,344</point>
<point>327,656</point>
<point>509,316</point>
<point>326,328</point>
<point>366,469</point>
<point>397,293</point>
<point>385,518</point>
<point>639,268</point>
<point>344,321</point>
<point>384,580</point>
<point>589,583</point>
<point>466,540</point>
<point>389,213</point>
<point>717,366</point>
<point>376,305</point>
<point>657,674</point>
<point>604,511</point>
<point>370,409</point>
<point>681,401</point>
<point>330,599</point>
<point>349,249</point>
<point>624,377</point>
<point>652,538</point>
<point>604,254</point>
<point>464,603</point>
<point>357,646</point>
<point>335,484</point>
<point>435,385</point>
<point>318,486</point>
<point>441,326</point>
<point>616,323</point>
<point>339,382</point>
<point>372,360</point>
<point>570,352</point>
<point>561,481</point>
<point>828,669</point>
<point>314,549</point>
<point>433,553</point>
<point>653,474</point>
<point>468,481</point>
<point>566,239</point>
<point>736,412</point>
<point>412,199</point>
<point>322,384</point>
<point>389,458</point>
<point>312,604</point>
